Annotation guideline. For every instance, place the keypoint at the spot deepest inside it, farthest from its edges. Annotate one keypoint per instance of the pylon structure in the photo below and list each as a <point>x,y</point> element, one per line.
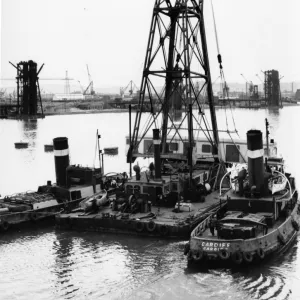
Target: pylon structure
<point>28,89</point>
<point>176,75</point>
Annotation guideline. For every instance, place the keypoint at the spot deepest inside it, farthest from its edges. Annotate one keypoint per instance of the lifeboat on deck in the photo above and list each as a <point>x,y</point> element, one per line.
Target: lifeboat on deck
<point>93,202</point>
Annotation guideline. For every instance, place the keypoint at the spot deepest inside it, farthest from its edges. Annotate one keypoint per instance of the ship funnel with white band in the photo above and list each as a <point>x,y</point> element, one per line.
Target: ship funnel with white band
<point>255,159</point>
<point>156,145</point>
<point>61,158</point>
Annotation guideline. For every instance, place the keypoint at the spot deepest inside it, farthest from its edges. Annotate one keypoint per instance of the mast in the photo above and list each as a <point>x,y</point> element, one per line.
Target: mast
<point>173,13</point>
<point>267,135</point>
<point>210,94</point>
<point>177,60</point>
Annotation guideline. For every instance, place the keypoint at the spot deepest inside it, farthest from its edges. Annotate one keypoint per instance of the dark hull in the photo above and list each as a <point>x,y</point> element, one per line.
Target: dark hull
<point>100,223</point>
<point>165,224</point>
<point>209,262</point>
<point>18,219</point>
<point>216,252</point>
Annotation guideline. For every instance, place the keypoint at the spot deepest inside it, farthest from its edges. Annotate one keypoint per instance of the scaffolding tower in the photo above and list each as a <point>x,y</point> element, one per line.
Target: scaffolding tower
<point>177,62</point>
<point>272,88</point>
<point>28,89</point>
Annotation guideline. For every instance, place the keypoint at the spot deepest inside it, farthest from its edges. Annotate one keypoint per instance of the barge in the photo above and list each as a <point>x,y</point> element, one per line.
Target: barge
<point>149,206</point>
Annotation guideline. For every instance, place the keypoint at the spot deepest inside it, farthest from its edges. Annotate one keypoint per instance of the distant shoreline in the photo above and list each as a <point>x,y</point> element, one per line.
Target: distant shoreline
<point>121,110</point>
<point>114,110</point>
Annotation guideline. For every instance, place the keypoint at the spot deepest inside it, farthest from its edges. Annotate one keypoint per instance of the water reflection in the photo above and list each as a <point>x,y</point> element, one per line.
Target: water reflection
<point>63,250</point>
<point>60,265</point>
<point>30,130</point>
<point>176,115</point>
<point>109,265</point>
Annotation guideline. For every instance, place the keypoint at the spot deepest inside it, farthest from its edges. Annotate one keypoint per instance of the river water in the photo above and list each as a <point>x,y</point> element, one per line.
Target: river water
<point>44,263</point>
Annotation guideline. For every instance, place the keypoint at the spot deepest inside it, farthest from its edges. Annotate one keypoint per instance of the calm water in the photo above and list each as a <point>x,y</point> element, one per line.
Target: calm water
<point>49,264</point>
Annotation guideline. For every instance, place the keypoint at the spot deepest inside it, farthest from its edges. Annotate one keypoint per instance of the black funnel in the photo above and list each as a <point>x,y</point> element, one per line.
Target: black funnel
<point>61,158</point>
<point>255,159</point>
<point>157,161</point>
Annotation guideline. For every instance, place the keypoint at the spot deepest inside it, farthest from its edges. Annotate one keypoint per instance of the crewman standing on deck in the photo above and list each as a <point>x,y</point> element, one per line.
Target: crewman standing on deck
<point>241,177</point>
<point>213,225</point>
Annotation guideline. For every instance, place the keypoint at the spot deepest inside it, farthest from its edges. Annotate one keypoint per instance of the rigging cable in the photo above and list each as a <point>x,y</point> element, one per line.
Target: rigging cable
<point>221,70</point>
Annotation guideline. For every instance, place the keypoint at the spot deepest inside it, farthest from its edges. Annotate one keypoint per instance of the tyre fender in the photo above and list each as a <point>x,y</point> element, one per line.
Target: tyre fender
<point>151,226</point>
<point>197,255</point>
<point>5,226</point>
<point>248,257</point>
<point>224,254</point>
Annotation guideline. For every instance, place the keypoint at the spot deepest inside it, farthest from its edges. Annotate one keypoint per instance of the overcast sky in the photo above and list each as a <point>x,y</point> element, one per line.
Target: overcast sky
<point>111,37</point>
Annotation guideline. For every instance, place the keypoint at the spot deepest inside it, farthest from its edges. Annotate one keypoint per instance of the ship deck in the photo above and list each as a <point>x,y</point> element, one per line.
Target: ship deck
<point>208,235</point>
<point>174,224</point>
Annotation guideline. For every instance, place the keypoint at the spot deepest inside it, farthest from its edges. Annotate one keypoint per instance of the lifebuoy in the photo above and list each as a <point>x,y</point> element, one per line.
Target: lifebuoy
<point>248,257</point>
<point>197,255</point>
<point>163,230</point>
<point>139,226</point>
<point>151,226</point>
<point>4,225</point>
<point>295,225</point>
<point>281,238</point>
<point>224,254</point>
<point>237,257</point>
<point>186,248</point>
<point>260,253</point>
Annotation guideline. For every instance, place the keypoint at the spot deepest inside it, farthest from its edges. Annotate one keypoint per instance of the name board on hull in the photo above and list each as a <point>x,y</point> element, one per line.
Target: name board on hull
<point>214,247</point>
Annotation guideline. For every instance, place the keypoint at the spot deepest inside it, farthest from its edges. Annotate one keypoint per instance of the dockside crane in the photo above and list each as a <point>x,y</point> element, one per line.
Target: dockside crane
<point>90,86</point>
<point>131,85</point>
<point>250,86</point>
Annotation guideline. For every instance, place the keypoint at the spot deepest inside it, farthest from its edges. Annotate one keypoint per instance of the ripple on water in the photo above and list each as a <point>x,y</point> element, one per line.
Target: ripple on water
<point>69,265</point>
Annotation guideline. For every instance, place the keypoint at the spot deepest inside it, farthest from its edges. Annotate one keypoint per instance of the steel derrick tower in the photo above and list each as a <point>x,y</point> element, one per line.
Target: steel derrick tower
<point>176,73</point>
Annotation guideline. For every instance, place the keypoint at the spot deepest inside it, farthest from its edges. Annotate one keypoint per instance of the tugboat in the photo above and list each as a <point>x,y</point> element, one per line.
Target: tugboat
<point>73,185</point>
<point>261,215</point>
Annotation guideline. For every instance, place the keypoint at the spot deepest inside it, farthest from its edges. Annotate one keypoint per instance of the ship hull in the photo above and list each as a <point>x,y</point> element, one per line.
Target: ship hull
<point>33,216</point>
<point>247,251</point>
